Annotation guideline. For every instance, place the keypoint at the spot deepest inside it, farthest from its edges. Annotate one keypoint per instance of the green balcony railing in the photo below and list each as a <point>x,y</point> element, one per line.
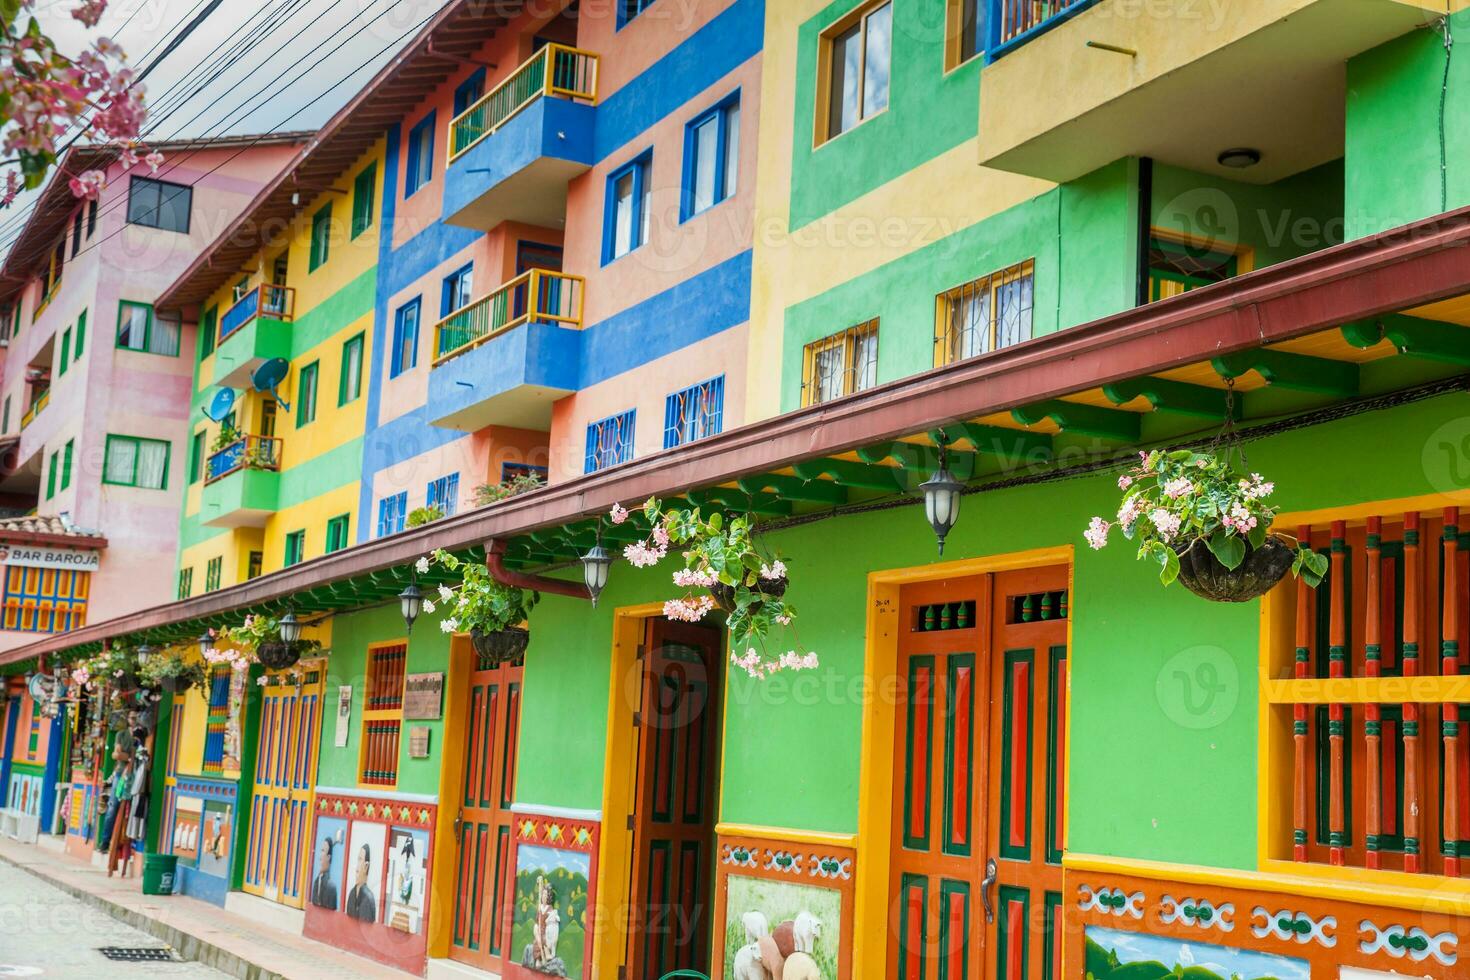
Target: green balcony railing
<point>537,295</point>
<point>555,70</point>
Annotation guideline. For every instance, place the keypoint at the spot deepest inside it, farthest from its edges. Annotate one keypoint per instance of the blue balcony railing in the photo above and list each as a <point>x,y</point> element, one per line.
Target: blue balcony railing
<point>276,302</point>
<point>1011,23</point>
<point>247,452</point>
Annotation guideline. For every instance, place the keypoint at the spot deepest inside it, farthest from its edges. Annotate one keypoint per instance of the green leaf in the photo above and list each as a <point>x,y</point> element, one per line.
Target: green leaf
<point>1258,535</point>
<point>716,521</point>
<point>1227,547</point>
<point>1170,570</point>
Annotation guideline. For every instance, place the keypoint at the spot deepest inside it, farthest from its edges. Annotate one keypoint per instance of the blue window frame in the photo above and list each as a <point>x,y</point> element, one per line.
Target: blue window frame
<point>419,169</point>
<point>457,287</point>
<point>711,157</point>
<point>405,338</point>
<point>610,441</point>
<point>628,9</point>
<point>468,92</point>
<point>625,215</point>
<point>392,513</point>
<point>443,494</point>
<point>694,413</point>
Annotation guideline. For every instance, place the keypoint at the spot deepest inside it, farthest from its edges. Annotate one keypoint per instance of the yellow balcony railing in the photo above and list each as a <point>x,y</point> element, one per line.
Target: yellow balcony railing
<point>555,70</point>
<point>538,295</point>
<point>42,400</point>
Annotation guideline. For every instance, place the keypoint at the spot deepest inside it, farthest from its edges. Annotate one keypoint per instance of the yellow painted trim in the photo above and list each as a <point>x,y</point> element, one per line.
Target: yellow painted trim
<point>1358,513</point>
<point>451,775</point>
<point>618,787</point>
<point>1360,886</point>
<point>875,781</point>
<point>815,838</point>
<point>1369,690</point>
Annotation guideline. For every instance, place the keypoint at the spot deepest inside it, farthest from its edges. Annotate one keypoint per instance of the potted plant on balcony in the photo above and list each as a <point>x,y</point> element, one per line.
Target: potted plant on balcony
<point>227,436</point>
<point>171,673</point>
<point>490,611</point>
<point>420,516</point>
<point>261,636</point>
<point>1207,524</point>
<point>489,493</point>
<point>722,559</point>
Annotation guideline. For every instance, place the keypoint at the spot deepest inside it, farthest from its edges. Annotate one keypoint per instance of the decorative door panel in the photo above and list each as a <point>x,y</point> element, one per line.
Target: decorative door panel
<point>484,876</point>
<point>277,857</point>
<point>673,817</point>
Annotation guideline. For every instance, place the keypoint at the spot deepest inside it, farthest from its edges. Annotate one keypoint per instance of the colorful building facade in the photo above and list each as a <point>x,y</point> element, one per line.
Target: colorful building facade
<point>1023,758</point>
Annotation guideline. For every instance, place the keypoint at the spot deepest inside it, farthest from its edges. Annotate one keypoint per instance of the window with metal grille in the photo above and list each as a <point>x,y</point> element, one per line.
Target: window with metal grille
<point>382,715</point>
<point>610,441</point>
<point>694,413</point>
<point>1177,267</point>
<point>186,582</point>
<point>392,513</point>
<point>1359,776</point>
<point>842,364</point>
<point>45,600</point>
<point>443,494</point>
<point>213,573</point>
<point>983,315</point>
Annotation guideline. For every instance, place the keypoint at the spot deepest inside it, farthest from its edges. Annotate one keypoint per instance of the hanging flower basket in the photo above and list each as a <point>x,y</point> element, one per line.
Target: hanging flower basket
<point>1207,577</point>
<point>278,654</point>
<point>499,647</point>
<point>724,595</point>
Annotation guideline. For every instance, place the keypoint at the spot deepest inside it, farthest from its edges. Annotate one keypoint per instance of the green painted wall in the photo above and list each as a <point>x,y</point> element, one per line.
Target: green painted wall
<point>929,112</point>
<point>1394,126</point>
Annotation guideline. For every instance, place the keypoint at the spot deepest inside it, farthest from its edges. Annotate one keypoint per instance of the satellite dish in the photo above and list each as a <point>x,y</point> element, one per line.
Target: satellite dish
<point>269,376</point>
<point>220,405</point>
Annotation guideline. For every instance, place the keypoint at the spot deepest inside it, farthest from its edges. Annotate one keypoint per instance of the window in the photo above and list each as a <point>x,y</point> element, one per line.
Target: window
<point>321,238</point>
<point>468,92</point>
<point>159,204</point>
<point>965,31</point>
<point>196,457</point>
<point>392,513</point>
<point>628,9</point>
<point>186,583</point>
<point>51,468</point>
<point>306,395</point>
<point>1177,267</point>
<point>336,533</point>
<point>856,60</point>
<point>610,442</point>
<point>382,714</point>
<point>512,471</point>
<point>76,233</point>
<point>625,219</point>
<point>76,352</point>
<point>91,218</point>
<point>65,352</point>
<point>420,167</point>
<point>133,462</point>
<point>295,548</point>
<point>66,455</point>
<point>405,339</point>
<point>711,157</point>
<point>216,719</point>
<point>984,315</point>
<point>349,383</point>
<point>5,416</point>
<point>44,600</point>
<point>255,565</point>
<point>457,287</point>
<point>443,494</point>
<point>694,413</point>
<point>364,199</point>
<point>213,573</point>
<point>208,329</point>
<point>139,329</point>
<point>842,364</point>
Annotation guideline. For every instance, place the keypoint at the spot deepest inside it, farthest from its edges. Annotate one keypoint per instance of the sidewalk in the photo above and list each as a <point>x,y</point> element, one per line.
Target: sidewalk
<point>197,930</point>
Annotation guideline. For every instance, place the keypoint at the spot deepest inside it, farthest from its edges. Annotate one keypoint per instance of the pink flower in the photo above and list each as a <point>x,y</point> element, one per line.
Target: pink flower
<point>88,185</point>
<point>773,572</point>
<point>13,185</point>
<point>640,555</point>
<point>89,12</point>
<point>694,578</point>
<point>1097,533</point>
<point>784,620</point>
<point>688,610</point>
<point>154,161</point>
<point>1129,513</point>
<point>618,514</point>
<point>1177,488</point>
<point>1125,481</point>
<point>1167,524</point>
<point>661,537</point>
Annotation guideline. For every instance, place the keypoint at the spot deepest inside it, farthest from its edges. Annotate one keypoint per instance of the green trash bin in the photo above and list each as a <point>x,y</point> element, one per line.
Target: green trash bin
<point>158,873</point>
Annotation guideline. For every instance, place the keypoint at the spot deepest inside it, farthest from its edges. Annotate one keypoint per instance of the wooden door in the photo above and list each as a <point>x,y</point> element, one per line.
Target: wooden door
<point>975,877</point>
<point>278,855</point>
<point>673,818</point>
<point>483,875</point>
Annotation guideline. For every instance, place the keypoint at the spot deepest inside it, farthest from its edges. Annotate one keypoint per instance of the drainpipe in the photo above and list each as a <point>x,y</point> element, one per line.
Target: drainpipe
<point>495,562</point>
<point>1145,221</point>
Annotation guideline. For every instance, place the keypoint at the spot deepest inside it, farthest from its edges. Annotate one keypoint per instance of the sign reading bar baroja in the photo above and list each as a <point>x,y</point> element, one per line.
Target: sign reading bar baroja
<point>66,559</point>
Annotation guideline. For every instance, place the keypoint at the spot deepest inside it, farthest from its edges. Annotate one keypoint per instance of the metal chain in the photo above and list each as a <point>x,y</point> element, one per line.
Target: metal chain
<point>1227,441</point>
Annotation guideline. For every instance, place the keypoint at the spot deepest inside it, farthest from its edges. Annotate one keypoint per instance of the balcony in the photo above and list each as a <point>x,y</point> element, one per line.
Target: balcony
<point>241,483</point>
<point>506,357</point>
<point>512,153</point>
<point>251,332</point>
<point>37,407</point>
<point>1073,86</point>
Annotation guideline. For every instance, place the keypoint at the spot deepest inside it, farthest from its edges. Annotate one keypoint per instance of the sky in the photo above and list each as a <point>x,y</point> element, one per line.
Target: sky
<point>252,66</point>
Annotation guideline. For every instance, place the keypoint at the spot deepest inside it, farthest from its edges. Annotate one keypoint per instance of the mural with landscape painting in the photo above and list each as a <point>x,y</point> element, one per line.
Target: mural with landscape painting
<point>780,929</point>
<point>549,930</point>
<point>1115,955</point>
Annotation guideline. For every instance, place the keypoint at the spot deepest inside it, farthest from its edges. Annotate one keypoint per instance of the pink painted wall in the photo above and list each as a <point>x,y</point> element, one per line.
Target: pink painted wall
<point>120,391</point>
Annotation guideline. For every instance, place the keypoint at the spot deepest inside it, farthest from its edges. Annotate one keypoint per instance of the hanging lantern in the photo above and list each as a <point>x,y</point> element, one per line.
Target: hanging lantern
<point>411,602</point>
<point>595,565</point>
<point>942,500</point>
<point>144,652</point>
<point>206,642</point>
<point>290,628</point>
